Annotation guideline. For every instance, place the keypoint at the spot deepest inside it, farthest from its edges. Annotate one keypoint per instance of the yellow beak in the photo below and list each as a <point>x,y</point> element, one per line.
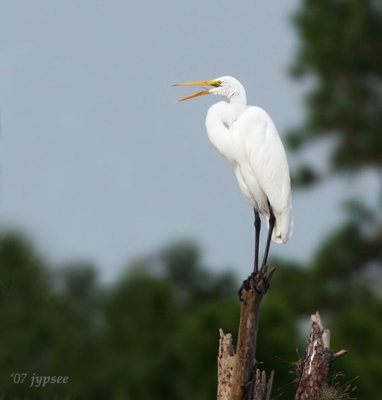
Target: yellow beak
<point>198,83</point>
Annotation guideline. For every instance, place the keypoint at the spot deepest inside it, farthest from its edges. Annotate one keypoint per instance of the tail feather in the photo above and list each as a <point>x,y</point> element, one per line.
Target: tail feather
<point>283,229</point>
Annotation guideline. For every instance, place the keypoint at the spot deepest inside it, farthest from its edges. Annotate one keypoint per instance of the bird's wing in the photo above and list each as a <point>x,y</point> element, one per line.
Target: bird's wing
<point>266,157</point>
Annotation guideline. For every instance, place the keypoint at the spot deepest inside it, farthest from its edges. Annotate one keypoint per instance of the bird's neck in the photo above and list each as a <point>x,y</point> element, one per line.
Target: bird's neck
<point>219,119</point>
<point>232,108</point>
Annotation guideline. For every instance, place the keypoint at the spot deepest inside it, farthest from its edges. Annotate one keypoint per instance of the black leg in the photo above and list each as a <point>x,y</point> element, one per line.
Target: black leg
<point>247,282</point>
<point>272,220</point>
<point>257,229</point>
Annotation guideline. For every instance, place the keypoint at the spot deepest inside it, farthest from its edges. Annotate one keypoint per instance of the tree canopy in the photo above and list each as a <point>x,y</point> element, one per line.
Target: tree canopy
<point>154,333</point>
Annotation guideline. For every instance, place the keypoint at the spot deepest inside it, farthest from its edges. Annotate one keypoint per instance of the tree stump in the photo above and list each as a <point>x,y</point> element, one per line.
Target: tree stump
<point>238,377</point>
<point>318,358</point>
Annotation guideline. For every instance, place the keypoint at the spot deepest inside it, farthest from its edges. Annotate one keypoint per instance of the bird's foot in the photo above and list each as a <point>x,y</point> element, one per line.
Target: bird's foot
<point>259,281</point>
<point>245,286</point>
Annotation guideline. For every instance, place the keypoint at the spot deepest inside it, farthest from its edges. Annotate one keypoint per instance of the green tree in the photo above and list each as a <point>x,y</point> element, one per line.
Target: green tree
<point>47,327</point>
<point>162,323</point>
<point>339,50</point>
<point>340,47</point>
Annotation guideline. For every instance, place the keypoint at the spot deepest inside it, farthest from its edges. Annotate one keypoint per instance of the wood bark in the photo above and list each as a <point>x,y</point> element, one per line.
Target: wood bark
<point>317,361</point>
<point>238,377</point>
<point>226,364</point>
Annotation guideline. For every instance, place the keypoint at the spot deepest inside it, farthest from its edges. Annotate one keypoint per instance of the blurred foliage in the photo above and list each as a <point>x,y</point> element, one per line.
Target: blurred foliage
<point>340,43</point>
<point>143,337</point>
<point>340,48</point>
<point>153,334</point>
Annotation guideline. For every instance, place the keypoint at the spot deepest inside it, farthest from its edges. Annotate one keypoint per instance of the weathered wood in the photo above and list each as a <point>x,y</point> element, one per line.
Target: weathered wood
<point>244,380</point>
<point>262,389</point>
<point>226,362</point>
<point>316,363</point>
<point>238,376</point>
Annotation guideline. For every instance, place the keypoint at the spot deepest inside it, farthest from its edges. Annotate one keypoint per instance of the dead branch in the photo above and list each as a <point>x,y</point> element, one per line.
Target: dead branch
<point>238,378</point>
<point>317,361</point>
<point>262,388</point>
<point>226,363</point>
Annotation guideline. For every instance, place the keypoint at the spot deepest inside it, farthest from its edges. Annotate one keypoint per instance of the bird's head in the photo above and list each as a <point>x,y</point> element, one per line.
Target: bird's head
<point>225,86</point>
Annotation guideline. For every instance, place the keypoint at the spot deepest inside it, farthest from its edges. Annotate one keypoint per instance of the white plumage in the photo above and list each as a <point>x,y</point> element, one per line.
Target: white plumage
<point>247,137</point>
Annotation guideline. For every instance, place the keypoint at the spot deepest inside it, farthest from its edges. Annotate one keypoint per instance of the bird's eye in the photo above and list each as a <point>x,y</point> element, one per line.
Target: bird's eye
<point>217,83</point>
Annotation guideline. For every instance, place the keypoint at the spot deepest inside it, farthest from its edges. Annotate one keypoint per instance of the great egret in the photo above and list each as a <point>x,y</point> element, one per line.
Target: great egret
<point>247,137</point>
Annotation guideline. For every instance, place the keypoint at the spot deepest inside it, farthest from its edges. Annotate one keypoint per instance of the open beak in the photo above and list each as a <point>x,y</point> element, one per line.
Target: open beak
<point>198,83</point>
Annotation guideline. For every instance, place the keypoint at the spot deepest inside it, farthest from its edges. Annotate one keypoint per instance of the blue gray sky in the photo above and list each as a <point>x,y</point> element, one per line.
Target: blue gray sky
<point>99,163</point>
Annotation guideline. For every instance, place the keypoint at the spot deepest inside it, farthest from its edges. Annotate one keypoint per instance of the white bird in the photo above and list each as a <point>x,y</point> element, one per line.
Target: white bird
<point>247,137</point>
